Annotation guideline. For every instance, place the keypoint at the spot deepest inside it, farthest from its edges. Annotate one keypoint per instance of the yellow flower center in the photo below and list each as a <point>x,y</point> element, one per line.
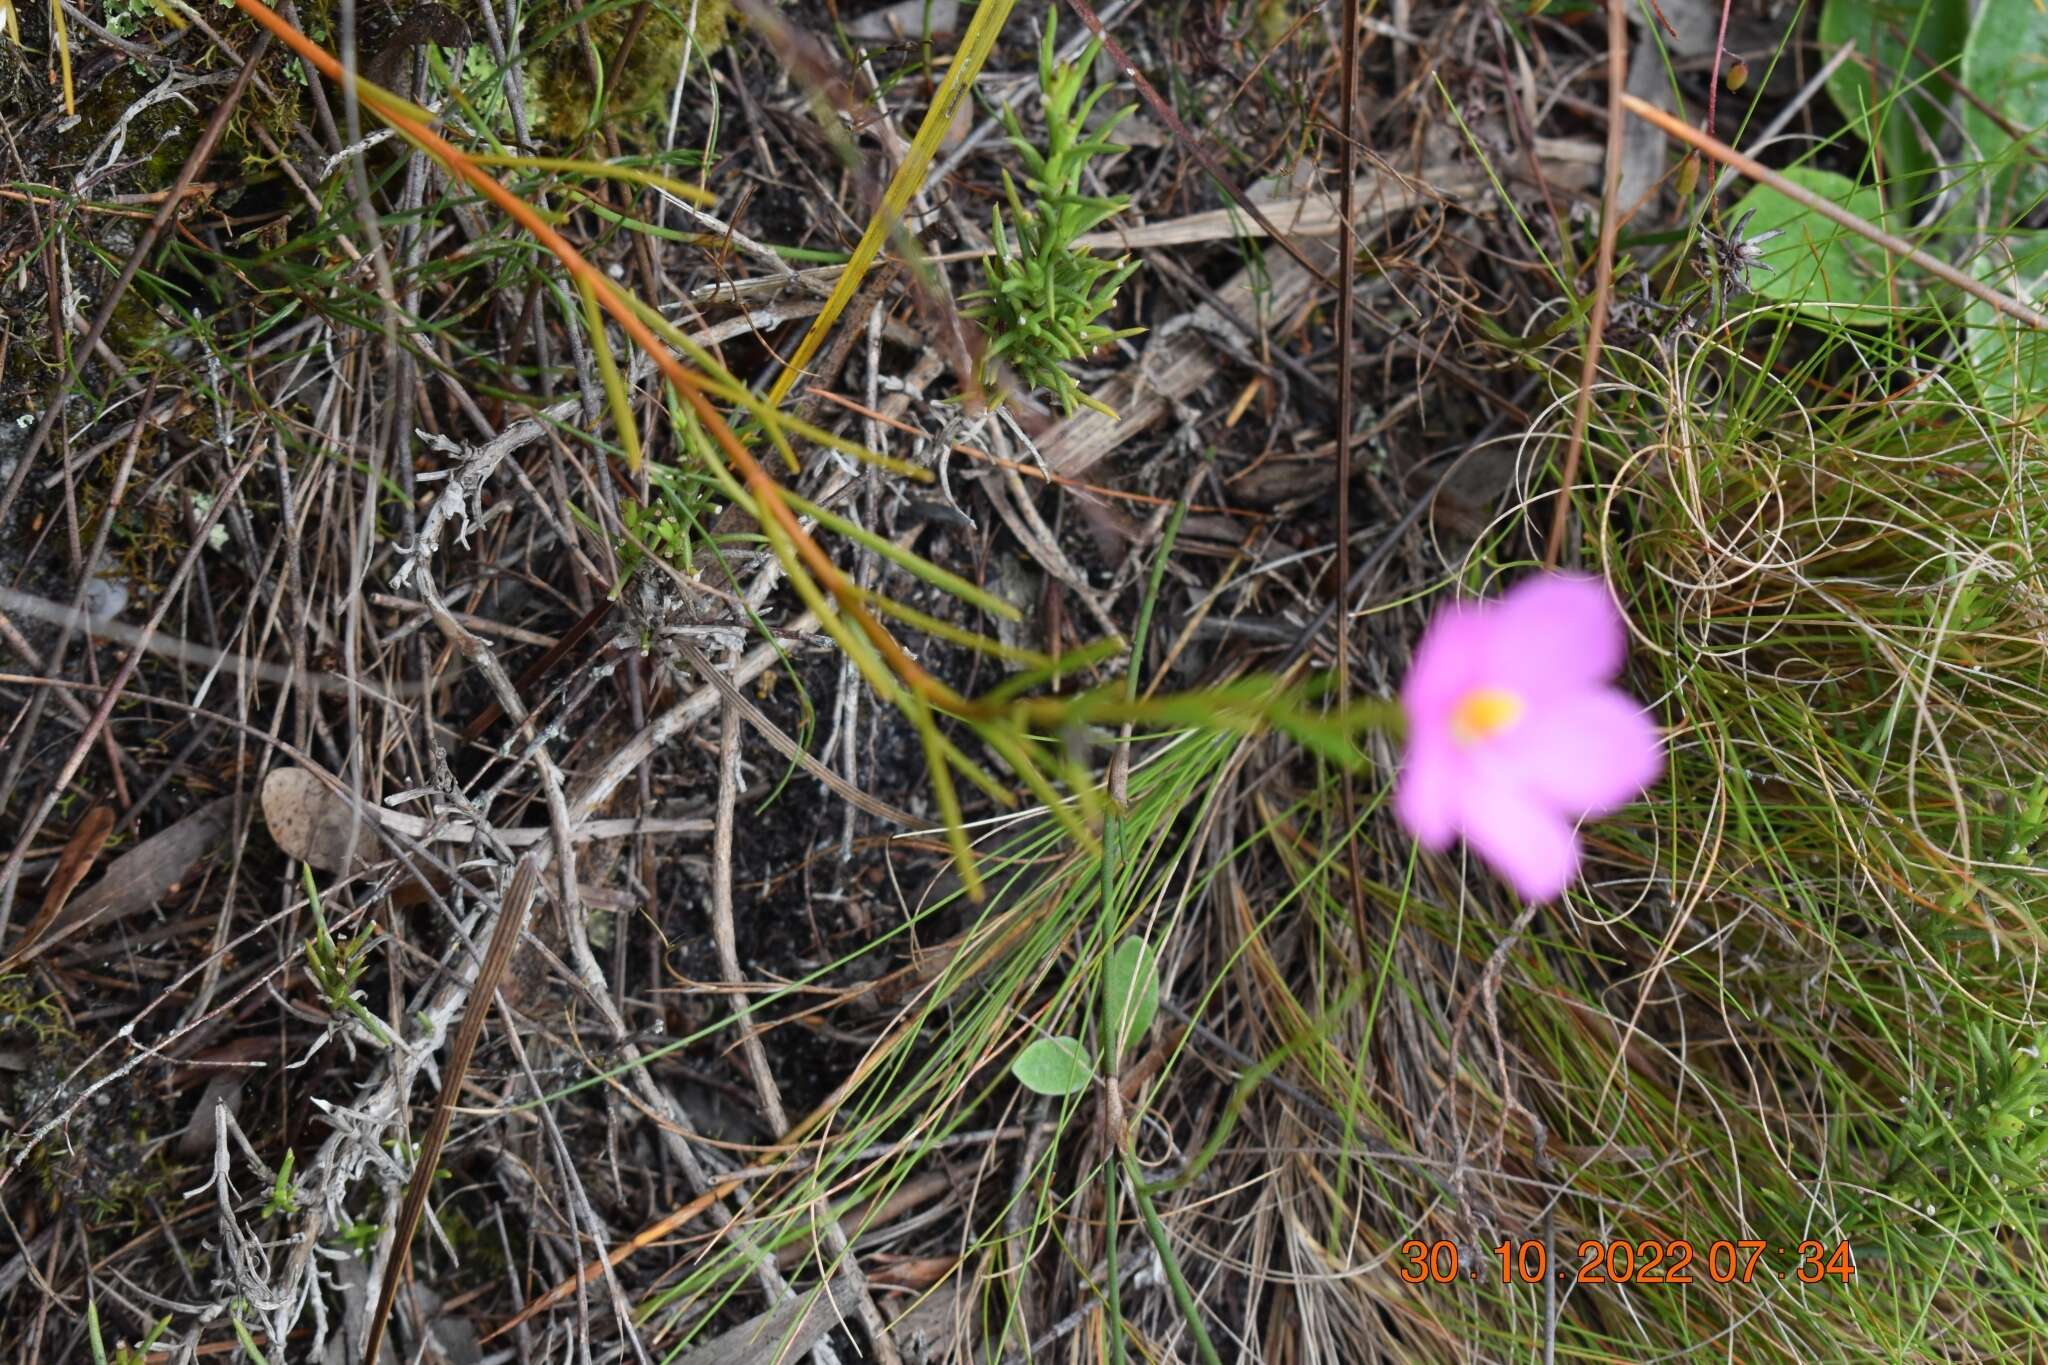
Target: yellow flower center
<point>1483,713</point>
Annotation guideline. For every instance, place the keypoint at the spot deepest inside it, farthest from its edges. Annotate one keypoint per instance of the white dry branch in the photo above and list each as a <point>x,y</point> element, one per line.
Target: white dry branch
<point>462,500</point>
<point>246,1279</point>
<point>355,1145</point>
<point>173,87</point>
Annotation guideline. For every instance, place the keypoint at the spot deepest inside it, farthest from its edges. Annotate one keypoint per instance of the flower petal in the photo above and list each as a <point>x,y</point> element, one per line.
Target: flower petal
<point>1448,659</point>
<point>1554,631</point>
<point>1533,848</point>
<point>1586,752</point>
<point>1426,792</point>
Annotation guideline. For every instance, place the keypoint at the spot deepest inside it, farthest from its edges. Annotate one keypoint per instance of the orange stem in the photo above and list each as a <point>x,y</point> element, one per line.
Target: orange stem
<point>766,492</point>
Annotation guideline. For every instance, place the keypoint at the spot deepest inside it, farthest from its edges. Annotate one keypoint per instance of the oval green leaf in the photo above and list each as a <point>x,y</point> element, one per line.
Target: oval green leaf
<point>2005,64</point>
<point>2007,362</point>
<point>1053,1066</point>
<point>1130,994</point>
<point>1887,90</point>
<point>1814,264</point>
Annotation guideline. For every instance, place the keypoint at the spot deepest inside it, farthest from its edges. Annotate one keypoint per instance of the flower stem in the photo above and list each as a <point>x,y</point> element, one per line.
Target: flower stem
<point>1182,1295</point>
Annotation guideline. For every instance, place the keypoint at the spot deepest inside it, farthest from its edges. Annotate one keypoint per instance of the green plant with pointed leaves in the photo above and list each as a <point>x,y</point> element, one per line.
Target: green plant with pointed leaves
<point>1970,1152</point>
<point>335,967</point>
<point>1044,294</point>
<point>359,1237</point>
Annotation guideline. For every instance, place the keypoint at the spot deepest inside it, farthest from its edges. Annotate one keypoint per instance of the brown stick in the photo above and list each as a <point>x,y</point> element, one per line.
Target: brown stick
<point>1347,268</point>
<point>504,938</point>
<point>1603,276</point>
<point>1835,213</point>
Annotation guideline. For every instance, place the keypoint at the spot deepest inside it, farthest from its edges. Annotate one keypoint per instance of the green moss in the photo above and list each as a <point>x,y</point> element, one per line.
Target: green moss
<point>136,327</point>
<point>160,137</point>
<point>25,1015</point>
<point>570,40</point>
<point>107,1160</point>
<point>17,81</point>
<point>148,537</point>
<point>477,1248</point>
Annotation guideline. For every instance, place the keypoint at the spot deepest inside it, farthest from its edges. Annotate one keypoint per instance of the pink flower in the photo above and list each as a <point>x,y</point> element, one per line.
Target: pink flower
<point>1514,732</point>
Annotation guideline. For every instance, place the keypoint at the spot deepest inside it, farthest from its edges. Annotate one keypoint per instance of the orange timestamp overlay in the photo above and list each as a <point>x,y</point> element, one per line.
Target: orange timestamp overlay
<point>1630,1262</point>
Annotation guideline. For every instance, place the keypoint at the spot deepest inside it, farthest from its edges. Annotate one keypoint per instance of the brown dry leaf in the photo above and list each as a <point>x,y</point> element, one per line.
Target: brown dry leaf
<point>311,823</point>
<point>787,1331</point>
<point>80,852</point>
<point>908,19</point>
<point>73,863</point>
<point>136,880</point>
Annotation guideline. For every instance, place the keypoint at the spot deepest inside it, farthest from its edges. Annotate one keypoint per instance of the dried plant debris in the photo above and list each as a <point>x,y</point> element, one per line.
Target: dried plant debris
<point>841,500</point>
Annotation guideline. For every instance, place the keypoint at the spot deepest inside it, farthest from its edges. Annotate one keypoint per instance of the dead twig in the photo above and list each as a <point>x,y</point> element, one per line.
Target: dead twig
<point>1835,213</point>
<point>1603,276</point>
<point>1347,267</point>
<point>483,991</point>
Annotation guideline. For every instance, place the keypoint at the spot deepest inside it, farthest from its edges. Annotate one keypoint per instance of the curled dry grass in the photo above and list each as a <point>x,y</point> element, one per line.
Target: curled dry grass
<point>1796,1000</point>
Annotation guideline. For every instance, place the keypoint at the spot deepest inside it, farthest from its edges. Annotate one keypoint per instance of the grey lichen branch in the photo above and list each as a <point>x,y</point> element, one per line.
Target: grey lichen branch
<point>462,500</point>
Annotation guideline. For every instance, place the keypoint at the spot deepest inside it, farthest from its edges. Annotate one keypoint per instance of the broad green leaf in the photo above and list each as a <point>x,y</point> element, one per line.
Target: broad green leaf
<point>1130,994</point>
<point>1053,1066</point>
<point>2005,64</point>
<point>1815,264</point>
<point>2009,361</point>
<point>1898,43</point>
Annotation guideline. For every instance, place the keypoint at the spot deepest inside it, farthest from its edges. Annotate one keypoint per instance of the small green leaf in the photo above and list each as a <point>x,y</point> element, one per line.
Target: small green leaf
<point>1813,263</point>
<point>1053,1066</point>
<point>1130,994</point>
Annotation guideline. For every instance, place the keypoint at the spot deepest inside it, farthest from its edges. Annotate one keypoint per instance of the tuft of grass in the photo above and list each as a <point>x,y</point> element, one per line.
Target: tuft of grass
<point>1797,1002</point>
<point>1843,610</point>
<point>988,979</point>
